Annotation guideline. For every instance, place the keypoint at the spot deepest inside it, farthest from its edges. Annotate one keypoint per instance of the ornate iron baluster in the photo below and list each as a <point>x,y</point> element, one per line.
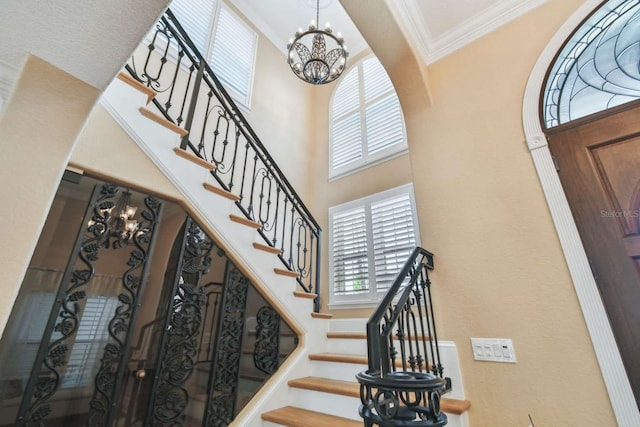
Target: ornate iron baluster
<point>220,107</point>
<point>226,363</point>
<point>266,350</point>
<point>182,332</point>
<point>399,392</point>
<point>108,380</point>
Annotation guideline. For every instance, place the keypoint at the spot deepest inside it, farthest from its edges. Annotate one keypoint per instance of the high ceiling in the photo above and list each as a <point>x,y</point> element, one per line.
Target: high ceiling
<point>436,27</point>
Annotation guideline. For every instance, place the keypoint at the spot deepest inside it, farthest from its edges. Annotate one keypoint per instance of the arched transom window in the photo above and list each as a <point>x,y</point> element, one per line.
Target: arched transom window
<point>598,68</point>
<point>367,125</point>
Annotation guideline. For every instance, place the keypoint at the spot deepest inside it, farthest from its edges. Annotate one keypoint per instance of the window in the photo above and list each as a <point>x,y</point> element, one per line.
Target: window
<point>367,125</point>
<point>370,240</point>
<point>225,40</point>
<point>598,66</point>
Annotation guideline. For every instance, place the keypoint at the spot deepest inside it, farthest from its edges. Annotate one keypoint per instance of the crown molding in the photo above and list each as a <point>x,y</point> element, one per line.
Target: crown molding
<point>433,48</point>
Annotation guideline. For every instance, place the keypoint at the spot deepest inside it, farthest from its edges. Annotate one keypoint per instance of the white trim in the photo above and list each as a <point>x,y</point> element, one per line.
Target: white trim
<point>614,375</point>
<point>370,298</point>
<point>433,48</point>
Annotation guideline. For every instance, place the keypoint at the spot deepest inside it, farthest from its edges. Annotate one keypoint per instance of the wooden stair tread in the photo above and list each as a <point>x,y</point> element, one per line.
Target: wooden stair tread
<point>321,315</point>
<point>163,121</point>
<point>345,358</point>
<point>339,357</point>
<point>285,272</point>
<point>267,248</point>
<point>347,335</point>
<point>352,389</point>
<point>300,294</point>
<point>194,159</point>
<point>343,388</point>
<point>356,335</point>
<point>245,221</point>
<point>126,77</point>
<point>295,417</point>
<point>221,192</point>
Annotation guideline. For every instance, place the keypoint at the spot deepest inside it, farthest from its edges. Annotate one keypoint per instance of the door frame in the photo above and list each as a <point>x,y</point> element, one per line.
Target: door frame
<point>613,372</point>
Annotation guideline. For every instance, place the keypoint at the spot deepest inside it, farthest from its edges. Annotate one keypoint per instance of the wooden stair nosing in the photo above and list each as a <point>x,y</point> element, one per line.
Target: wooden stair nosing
<point>360,335</point>
<point>340,358</point>
<point>352,389</point>
<point>245,221</point>
<point>163,121</point>
<point>146,90</point>
<point>290,416</point>
<point>267,248</point>
<point>321,315</point>
<point>194,159</point>
<point>285,272</point>
<point>299,294</point>
<point>345,358</point>
<point>221,192</point>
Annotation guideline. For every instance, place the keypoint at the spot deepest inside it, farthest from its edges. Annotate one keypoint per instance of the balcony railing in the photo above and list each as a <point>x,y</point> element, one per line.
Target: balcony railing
<point>192,97</point>
<point>404,380</point>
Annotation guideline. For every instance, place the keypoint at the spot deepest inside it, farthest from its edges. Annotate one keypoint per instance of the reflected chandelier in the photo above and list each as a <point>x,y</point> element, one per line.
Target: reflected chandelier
<point>327,58</point>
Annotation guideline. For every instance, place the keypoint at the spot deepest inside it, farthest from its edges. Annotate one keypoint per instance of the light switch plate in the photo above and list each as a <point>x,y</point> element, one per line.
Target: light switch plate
<point>493,350</point>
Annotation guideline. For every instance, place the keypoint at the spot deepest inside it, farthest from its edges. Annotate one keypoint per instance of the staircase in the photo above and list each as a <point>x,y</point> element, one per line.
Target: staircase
<point>316,386</point>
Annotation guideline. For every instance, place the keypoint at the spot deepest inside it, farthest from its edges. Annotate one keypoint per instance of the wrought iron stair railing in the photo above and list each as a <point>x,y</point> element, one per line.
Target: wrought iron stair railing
<point>404,380</point>
<point>190,95</point>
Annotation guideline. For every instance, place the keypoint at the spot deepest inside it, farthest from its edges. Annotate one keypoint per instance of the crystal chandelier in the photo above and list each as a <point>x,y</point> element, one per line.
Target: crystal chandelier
<point>115,222</point>
<point>327,58</point>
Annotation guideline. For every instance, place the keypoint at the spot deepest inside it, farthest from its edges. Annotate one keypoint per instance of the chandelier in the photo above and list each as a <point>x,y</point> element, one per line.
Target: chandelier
<point>325,60</point>
<point>115,222</point>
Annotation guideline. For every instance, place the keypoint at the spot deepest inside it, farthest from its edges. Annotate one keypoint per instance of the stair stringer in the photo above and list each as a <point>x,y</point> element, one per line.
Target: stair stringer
<point>123,102</point>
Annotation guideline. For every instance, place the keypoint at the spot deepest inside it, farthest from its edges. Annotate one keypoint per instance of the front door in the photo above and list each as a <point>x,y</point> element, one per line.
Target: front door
<point>599,167</point>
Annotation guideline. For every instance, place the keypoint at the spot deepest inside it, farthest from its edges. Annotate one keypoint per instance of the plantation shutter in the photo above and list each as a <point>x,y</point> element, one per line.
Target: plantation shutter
<point>382,112</point>
<point>90,338</point>
<point>346,132</point>
<point>393,235</point>
<point>234,52</point>
<point>349,244</point>
<point>196,17</point>
<point>366,118</point>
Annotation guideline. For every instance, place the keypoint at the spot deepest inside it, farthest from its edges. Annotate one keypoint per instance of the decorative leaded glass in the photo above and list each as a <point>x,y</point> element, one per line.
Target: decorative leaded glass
<point>598,68</point>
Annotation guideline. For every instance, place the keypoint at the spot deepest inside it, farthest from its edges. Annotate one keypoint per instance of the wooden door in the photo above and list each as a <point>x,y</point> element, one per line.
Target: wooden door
<point>599,166</point>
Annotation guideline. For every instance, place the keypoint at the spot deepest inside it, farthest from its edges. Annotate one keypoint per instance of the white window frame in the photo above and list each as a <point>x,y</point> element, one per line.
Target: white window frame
<point>366,160</point>
<point>371,298</point>
<point>243,101</point>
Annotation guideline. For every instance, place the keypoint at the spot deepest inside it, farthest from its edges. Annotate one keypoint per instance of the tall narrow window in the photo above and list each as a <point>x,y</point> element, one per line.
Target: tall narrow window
<point>371,239</point>
<point>224,40</point>
<point>367,125</point>
<point>234,54</point>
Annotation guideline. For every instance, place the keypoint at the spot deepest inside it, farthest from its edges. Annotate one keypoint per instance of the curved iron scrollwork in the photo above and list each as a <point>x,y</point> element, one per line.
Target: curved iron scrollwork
<point>110,371</point>
<point>226,364</point>
<point>266,352</point>
<point>190,95</point>
<point>49,366</point>
<point>402,343</point>
<point>180,348</point>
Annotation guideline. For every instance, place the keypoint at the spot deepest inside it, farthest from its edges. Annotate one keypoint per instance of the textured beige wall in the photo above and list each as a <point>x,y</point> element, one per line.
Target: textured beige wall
<point>499,271</point>
<point>37,131</point>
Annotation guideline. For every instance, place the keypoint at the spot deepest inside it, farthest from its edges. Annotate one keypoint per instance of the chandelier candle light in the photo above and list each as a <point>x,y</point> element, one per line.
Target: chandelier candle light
<point>327,58</point>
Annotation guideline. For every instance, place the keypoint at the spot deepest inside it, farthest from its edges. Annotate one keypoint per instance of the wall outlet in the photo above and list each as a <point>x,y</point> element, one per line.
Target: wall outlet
<point>493,350</point>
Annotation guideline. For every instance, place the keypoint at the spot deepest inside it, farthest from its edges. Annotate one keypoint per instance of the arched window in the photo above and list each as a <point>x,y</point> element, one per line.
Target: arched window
<point>367,125</point>
<point>598,66</point>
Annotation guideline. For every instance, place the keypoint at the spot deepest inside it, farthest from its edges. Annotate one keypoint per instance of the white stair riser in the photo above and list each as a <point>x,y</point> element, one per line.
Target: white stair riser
<point>335,370</point>
<point>341,406</point>
<point>347,346</point>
